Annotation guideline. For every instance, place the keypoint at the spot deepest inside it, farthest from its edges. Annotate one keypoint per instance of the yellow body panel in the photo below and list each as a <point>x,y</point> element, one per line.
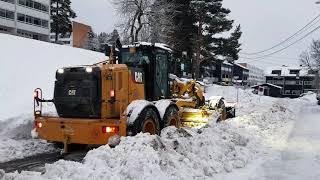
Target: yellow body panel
<point>79,131</point>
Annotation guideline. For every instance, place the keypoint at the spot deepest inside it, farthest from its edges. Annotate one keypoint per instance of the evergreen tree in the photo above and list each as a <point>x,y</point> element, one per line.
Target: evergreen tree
<point>92,42</point>
<point>231,46</point>
<point>211,20</point>
<point>61,13</point>
<point>103,39</point>
<point>181,31</point>
<point>113,37</point>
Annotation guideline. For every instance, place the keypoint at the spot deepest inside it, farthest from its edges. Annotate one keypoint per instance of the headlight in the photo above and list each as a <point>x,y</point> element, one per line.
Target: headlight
<point>89,69</point>
<point>60,71</point>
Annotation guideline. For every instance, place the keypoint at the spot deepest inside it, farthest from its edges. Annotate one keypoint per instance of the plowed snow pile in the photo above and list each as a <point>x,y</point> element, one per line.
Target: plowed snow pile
<point>16,140</point>
<point>263,123</point>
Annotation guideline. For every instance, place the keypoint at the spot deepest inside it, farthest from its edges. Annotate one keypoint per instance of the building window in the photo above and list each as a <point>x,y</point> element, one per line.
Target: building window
<point>10,15</point>
<point>22,2</point>
<point>32,20</point>
<point>34,5</point>
<point>45,23</point>
<point>294,71</point>
<point>37,21</point>
<point>44,8</point>
<point>21,17</point>
<point>29,3</point>
<point>6,14</point>
<point>37,5</point>
<point>29,19</point>
<point>276,72</point>
<point>3,29</point>
<point>9,1</point>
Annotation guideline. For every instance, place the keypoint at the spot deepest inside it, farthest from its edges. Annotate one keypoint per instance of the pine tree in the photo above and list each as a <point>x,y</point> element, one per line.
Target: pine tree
<point>61,13</point>
<point>231,46</point>
<point>181,32</point>
<point>103,39</point>
<point>92,42</point>
<point>211,20</point>
<point>113,37</point>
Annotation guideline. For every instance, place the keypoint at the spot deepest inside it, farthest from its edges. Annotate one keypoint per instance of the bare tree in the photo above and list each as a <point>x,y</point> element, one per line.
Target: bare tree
<point>311,59</point>
<point>140,19</point>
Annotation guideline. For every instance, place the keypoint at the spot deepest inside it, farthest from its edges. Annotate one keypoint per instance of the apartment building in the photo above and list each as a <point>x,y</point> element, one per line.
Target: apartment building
<point>293,80</point>
<point>27,18</point>
<point>240,74</point>
<point>256,75</point>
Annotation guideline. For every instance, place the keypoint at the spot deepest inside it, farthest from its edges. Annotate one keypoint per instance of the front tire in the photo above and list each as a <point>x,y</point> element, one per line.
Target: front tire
<point>147,122</point>
<point>171,117</point>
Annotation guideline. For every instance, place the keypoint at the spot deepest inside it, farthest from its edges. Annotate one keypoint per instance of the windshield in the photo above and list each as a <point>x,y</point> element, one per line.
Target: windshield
<point>134,58</point>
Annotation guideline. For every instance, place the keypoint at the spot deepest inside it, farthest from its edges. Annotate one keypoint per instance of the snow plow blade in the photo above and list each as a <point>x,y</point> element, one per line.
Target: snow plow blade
<point>198,117</point>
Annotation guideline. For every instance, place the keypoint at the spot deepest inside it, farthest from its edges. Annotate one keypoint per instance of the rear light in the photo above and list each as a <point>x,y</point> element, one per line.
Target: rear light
<point>38,125</point>
<point>112,94</point>
<point>107,129</point>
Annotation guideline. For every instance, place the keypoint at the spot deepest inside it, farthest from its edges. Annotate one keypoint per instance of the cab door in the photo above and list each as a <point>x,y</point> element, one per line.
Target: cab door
<point>161,75</point>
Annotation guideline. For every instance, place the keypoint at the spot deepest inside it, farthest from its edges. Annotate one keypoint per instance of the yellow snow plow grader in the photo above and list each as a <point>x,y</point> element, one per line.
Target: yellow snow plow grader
<point>128,94</point>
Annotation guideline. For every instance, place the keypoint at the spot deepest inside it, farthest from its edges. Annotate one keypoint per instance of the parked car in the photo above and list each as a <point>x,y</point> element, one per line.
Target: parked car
<point>318,98</point>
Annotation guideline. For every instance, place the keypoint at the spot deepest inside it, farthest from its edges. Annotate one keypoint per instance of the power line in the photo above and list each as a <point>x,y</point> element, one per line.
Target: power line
<point>271,57</point>
<point>274,61</point>
<point>286,47</point>
<point>289,38</point>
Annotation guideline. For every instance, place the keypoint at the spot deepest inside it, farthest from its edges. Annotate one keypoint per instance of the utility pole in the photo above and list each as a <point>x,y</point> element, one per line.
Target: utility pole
<point>317,73</point>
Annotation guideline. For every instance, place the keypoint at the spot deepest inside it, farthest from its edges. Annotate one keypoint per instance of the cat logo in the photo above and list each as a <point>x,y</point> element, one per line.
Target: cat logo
<point>72,92</point>
<point>138,77</point>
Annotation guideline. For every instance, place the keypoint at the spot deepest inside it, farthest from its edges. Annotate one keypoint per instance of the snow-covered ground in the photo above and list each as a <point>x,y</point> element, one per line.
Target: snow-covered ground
<point>269,139</point>
<point>233,149</point>
<point>27,64</point>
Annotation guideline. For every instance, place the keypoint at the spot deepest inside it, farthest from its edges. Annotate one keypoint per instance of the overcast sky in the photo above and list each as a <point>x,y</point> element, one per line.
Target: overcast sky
<point>264,23</point>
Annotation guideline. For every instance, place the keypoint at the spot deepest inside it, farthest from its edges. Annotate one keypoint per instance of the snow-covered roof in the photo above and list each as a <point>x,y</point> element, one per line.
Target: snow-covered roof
<point>243,67</point>
<point>158,45</point>
<point>285,71</point>
<point>279,87</point>
<point>227,63</point>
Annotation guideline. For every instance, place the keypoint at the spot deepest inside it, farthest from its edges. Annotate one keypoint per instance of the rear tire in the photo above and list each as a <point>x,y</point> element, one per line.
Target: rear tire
<point>147,122</point>
<point>171,117</point>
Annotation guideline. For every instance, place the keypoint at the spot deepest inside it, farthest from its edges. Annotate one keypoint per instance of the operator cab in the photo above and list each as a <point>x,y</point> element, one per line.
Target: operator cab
<point>152,61</point>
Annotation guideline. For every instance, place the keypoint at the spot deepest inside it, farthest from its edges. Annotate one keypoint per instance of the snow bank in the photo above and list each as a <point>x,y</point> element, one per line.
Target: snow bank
<point>27,64</point>
<point>16,141</point>
<point>211,152</point>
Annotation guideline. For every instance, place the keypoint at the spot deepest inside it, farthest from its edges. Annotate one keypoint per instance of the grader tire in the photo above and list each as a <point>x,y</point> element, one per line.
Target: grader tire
<point>171,117</point>
<point>147,122</point>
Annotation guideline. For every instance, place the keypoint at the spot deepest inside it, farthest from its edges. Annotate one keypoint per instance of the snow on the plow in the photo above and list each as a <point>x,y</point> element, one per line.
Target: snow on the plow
<point>215,151</point>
